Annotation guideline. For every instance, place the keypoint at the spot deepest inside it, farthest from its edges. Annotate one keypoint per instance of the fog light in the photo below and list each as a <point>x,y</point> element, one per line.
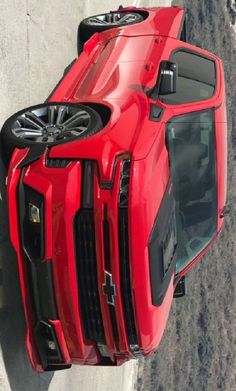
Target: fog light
<point>51,345</point>
<point>103,350</point>
<point>136,350</point>
<point>34,214</point>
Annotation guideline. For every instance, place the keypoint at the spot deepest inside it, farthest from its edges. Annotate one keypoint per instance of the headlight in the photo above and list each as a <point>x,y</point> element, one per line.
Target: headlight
<point>124,184</point>
<point>136,351</point>
<point>34,214</point>
<point>31,205</point>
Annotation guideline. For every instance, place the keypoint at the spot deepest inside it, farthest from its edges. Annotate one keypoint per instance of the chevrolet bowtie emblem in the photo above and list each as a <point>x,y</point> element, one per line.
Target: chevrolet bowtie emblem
<point>109,289</point>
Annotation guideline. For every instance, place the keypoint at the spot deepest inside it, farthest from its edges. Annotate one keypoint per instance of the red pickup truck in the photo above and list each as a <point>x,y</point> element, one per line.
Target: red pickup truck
<point>116,188</point>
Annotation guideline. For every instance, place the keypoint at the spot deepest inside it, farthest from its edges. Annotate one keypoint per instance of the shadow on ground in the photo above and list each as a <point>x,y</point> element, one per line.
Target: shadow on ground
<point>12,324</point>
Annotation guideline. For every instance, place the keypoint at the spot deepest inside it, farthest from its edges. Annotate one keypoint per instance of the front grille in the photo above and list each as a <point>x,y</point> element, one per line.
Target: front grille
<point>89,301</point>
<point>125,277</point>
<point>87,276</point>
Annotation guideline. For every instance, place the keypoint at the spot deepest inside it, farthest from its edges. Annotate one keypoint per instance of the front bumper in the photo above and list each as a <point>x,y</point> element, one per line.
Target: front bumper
<point>64,301</point>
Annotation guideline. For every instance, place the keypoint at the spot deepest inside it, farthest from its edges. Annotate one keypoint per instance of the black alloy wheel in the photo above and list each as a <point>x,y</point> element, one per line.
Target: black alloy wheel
<point>99,23</point>
<point>49,124</point>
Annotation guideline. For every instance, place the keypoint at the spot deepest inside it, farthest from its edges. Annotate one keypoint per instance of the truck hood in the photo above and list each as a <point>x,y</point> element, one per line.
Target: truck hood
<point>119,77</point>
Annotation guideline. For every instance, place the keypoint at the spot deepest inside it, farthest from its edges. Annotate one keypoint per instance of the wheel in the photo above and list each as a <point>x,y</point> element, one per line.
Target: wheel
<point>103,22</point>
<point>49,124</point>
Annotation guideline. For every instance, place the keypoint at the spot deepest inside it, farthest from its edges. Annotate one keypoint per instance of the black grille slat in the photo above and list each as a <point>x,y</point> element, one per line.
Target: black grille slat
<point>125,277</point>
<point>57,163</point>
<point>92,294</point>
<point>114,325</point>
<point>87,276</point>
<point>106,241</point>
<point>107,261</point>
<point>85,272</point>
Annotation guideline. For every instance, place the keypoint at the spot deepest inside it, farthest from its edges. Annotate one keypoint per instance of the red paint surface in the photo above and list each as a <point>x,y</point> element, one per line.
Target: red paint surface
<point>116,68</point>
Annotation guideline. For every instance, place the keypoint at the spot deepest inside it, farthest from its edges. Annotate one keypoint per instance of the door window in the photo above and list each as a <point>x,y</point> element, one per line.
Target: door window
<point>196,78</point>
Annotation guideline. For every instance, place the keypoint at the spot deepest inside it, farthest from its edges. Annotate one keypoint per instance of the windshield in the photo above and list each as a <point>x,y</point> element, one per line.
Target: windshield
<point>190,140</point>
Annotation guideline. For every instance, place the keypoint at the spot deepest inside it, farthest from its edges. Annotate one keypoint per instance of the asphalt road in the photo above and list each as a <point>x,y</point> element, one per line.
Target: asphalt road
<point>37,41</point>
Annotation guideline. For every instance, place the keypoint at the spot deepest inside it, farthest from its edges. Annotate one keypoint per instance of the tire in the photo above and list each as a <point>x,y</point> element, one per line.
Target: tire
<point>49,124</point>
<point>99,23</point>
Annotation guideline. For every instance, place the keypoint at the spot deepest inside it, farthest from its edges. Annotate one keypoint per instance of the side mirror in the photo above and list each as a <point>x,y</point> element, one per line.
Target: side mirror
<point>168,78</point>
<point>180,289</point>
<point>166,81</point>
